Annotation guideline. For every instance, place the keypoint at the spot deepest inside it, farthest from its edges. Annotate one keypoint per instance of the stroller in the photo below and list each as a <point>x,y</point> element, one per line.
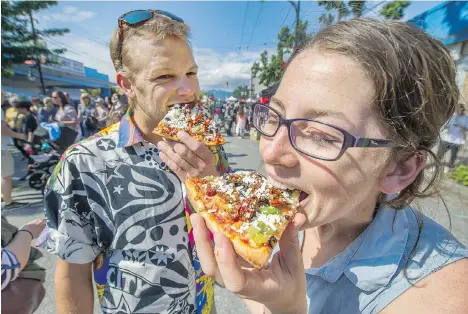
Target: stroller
<point>49,143</point>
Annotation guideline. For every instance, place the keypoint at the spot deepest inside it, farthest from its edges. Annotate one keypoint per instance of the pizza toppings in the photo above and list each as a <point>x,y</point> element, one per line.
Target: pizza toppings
<point>192,118</point>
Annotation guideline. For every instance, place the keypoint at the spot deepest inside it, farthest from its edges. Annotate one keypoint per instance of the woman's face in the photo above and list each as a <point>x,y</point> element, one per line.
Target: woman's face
<point>56,99</point>
<point>336,90</point>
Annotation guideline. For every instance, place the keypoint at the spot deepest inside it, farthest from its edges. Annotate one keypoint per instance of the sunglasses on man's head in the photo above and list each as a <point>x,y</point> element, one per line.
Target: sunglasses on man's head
<point>137,18</point>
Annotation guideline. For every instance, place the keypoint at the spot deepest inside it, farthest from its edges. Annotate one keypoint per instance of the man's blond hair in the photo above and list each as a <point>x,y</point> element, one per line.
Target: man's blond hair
<point>158,28</point>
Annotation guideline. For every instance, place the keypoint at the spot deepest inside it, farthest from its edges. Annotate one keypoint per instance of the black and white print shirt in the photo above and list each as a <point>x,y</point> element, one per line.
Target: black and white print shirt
<point>112,193</point>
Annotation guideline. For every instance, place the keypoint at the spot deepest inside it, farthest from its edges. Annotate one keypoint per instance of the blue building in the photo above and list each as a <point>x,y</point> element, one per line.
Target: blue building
<point>65,74</point>
<point>448,22</point>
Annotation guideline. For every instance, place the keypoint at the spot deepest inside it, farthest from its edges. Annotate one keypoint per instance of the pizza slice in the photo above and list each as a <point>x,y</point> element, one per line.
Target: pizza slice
<point>192,118</point>
<point>245,207</point>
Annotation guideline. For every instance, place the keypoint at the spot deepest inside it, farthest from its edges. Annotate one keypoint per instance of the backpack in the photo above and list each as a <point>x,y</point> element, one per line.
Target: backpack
<point>91,123</point>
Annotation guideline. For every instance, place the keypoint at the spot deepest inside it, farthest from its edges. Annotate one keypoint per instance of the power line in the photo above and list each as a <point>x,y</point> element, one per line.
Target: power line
<point>243,27</point>
<point>284,21</point>
<point>255,26</point>
<point>68,47</point>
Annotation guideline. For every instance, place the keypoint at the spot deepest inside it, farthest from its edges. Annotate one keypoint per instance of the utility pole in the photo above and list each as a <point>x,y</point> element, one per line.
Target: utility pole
<point>38,61</point>
<point>297,7</point>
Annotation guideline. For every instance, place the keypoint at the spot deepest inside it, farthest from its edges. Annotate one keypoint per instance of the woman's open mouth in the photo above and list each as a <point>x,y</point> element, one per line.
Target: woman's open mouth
<point>303,198</point>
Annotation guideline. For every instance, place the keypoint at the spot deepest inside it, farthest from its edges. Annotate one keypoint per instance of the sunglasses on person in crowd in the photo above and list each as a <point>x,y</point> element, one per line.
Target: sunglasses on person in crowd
<point>137,18</point>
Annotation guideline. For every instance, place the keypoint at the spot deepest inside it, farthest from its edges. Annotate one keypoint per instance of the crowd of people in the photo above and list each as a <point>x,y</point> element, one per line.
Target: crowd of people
<point>23,117</point>
<point>232,116</point>
<point>355,143</point>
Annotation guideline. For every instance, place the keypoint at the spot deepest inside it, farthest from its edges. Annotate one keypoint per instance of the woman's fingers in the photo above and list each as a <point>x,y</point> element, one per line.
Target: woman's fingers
<point>233,275</point>
<point>290,248</point>
<point>205,248</point>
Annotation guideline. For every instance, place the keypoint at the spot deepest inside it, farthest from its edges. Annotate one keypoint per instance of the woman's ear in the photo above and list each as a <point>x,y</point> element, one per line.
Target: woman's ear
<point>403,173</point>
<point>125,84</point>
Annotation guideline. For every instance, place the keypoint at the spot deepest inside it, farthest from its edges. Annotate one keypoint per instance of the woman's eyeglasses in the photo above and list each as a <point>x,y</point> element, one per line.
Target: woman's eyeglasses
<point>137,18</point>
<point>313,138</point>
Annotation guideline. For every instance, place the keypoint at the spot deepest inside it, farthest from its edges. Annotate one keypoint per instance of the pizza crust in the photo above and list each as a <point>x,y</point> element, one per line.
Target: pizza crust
<point>256,256</point>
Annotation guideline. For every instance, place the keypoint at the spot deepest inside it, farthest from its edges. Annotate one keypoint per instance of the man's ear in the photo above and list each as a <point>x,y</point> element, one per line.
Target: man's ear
<point>403,173</point>
<point>125,84</point>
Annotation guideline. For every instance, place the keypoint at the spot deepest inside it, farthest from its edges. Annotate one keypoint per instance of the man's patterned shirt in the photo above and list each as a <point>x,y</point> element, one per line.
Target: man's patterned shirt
<point>112,201</point>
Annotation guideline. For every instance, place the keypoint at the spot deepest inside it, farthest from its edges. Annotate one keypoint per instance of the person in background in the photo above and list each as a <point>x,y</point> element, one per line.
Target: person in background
<point>454,136</point>
<point>36,105</point>
<point>22,275</point>
<point>86,115</point>
<point>47,112</point>
<point>241,119</point>
<point>66,114</point>
<point>108,103</point>
<point>230,116</point>
<point>8,166</point>
<point>101,113</point>
<point>29,126</point>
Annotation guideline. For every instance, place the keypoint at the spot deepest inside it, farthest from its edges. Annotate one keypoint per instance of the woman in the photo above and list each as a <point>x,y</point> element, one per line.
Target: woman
<point>101,113</point>
<point>108,103</point>
<point>47,112</point>
<point>66,114</point>
<point>362,249</point>
<point>85,113</point>
<point>241,118</point>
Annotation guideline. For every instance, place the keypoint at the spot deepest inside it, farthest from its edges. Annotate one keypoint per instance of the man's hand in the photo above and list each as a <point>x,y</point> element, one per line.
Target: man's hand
<point>189,158</point>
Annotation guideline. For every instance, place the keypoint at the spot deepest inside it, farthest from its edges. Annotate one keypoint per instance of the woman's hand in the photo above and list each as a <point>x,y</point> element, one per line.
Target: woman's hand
<point>35,227</point>
<point>281,287</point>
<point>188,159</point>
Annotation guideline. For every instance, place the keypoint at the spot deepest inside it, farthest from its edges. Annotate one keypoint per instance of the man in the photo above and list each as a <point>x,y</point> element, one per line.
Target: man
<point>454,136</point>
<point>8,167</point>
<point>29,122</point>
<point>116,199</point>
<point>36,105</point>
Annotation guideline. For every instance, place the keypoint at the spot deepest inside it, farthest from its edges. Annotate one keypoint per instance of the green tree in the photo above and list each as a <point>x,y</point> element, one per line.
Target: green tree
<point>269,68</point>
<point>340,9</point>
<point>241,91</point>
<point>94,92</point>
<point>338,6</point>
<point>394,10</point>
<point>20,42</point>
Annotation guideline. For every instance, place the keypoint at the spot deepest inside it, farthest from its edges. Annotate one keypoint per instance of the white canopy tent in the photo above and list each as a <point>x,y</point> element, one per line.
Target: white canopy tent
<point>232,98</point>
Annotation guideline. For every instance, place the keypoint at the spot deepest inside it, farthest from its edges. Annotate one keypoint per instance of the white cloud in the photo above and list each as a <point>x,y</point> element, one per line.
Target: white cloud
<point>214,68</point>
<point>90,53</point>
<point>69,14</point>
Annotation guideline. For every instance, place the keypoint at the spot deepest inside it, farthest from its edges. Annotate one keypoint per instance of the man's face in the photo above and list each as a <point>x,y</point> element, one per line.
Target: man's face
<point>166,75</point>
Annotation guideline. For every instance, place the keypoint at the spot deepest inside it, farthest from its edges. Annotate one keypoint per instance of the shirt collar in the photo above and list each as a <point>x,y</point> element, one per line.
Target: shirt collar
<point>128,133</point>
<point>373,258</point>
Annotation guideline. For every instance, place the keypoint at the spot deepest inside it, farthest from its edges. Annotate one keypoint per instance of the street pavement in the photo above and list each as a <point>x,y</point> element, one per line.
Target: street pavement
<point>243,154</point>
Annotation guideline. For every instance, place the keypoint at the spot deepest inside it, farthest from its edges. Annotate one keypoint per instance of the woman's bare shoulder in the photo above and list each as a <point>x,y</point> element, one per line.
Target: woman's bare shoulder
<point>444,291</point>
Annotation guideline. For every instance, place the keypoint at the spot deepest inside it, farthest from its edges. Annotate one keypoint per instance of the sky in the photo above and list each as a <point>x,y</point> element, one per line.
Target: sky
<point>227,36</point>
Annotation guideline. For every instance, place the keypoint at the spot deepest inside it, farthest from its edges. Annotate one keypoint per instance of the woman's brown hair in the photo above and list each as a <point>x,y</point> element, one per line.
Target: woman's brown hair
<point>414,82</point>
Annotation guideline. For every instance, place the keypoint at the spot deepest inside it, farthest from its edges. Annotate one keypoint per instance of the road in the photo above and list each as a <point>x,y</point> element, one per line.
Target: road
<point>243,154</point>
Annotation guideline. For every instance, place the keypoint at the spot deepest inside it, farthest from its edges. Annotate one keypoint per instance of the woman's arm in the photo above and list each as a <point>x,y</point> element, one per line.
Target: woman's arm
<point>18,250</point>
<point>441,292</point>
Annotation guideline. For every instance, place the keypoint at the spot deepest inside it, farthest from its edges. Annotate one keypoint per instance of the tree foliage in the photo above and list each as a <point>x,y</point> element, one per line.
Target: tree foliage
<point>340,10</point>
<point>241,91</point>
<point>394,10</point>
<point>19,43</point>
<point>269,68</point>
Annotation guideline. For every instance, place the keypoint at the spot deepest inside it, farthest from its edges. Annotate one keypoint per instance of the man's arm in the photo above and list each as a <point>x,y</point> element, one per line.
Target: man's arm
<point>74,292</point>
<point>6,131</point>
